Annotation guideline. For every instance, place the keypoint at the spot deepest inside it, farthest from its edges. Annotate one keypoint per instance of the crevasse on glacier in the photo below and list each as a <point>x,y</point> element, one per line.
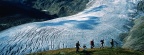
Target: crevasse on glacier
<point>103,19</point>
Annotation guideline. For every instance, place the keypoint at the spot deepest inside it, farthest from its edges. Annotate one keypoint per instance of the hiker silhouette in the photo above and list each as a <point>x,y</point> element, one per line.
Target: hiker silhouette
<point>77,46</point>
<point>102,43</point>
<point>92,44</point>
<point>112,43</point>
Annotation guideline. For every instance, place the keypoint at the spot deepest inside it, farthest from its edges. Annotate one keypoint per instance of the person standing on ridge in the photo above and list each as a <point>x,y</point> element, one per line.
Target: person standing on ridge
<point>112,43</point>
<point>77,46</point>
<point>102,43</point>
<point>92,44</point>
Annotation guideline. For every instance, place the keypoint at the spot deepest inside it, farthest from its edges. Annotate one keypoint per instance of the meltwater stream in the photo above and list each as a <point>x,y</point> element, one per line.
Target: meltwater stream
<point>102,19</point>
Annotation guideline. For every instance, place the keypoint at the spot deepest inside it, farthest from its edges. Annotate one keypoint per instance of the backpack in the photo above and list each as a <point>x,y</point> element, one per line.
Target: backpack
<point>101,40</point>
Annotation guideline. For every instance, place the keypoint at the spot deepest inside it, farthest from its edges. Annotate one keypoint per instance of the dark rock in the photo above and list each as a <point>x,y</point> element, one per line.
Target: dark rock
<point>13,14</point>
<point>10,8</point>
<point>54,6</point>
<point>140,6</point>
<point>17,12</point>
<point>135,38</point>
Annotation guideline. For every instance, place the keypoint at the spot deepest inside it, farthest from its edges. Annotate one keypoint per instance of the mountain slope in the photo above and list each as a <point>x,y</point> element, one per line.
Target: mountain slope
<point>17,12</point>
<point>135,37</point>
<point>58,7</point>
<point>13,14</point>
<point>95,51</point>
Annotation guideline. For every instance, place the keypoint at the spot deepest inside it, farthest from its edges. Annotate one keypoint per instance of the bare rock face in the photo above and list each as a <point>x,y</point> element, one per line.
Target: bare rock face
<point>134,40</point>
<point>13,14</point>
<point>140,6</point>
<point>135,37</point>
<point>17,12</point>
<point>58,7</point>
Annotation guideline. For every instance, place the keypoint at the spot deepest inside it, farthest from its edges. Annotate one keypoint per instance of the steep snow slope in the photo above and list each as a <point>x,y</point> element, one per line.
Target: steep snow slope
<point>101,20</point>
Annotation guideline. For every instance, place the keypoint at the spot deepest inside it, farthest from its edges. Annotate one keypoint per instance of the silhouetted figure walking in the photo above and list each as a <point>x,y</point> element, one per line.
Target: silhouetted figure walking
<point>102,43</point>
<point>77,46</point>
<point>92,44</point>
<point>112,43</point>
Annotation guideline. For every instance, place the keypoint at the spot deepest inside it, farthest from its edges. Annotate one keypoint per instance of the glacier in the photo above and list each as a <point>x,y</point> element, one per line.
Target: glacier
<point>102,19</point>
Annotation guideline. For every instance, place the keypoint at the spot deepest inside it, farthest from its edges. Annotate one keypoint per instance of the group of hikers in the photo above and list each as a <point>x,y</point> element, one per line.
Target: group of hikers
<point>92,45</point>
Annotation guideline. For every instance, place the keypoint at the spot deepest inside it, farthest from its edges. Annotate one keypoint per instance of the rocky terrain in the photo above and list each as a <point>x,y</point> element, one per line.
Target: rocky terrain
<point>17,12</point>
<point>58,7</point>
<point>140,6</point>
<point>13,14</point>
<point>135,37</point>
